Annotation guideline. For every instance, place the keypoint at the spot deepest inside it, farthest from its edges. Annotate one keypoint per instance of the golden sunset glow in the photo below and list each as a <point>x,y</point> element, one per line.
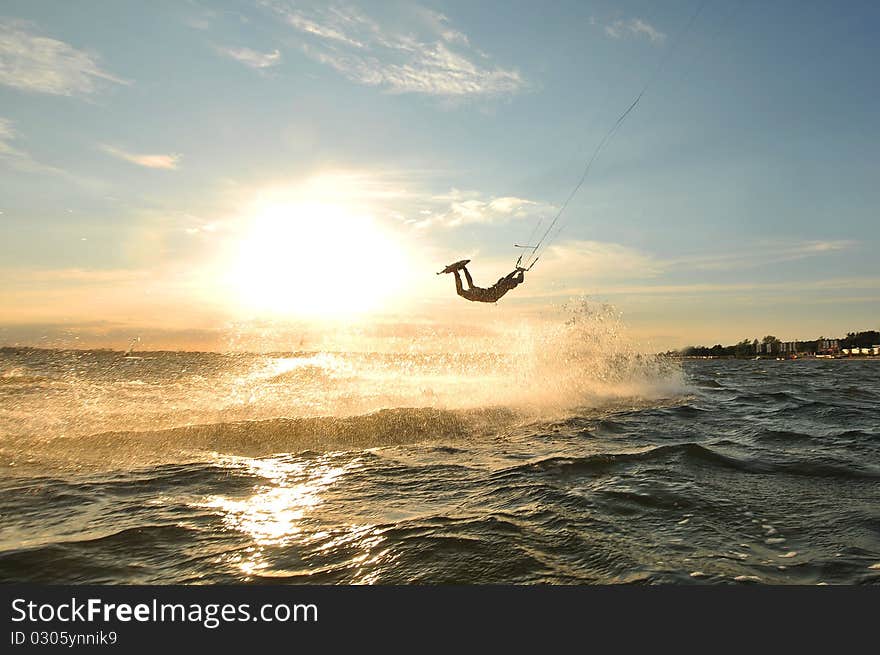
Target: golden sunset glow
<point>314,259</point>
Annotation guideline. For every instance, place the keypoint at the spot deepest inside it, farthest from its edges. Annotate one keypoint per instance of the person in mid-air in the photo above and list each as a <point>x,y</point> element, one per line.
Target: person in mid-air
<point>479,294</point>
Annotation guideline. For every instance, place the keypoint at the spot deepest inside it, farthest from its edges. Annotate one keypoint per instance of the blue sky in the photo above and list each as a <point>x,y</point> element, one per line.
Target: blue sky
<point>142,144</point>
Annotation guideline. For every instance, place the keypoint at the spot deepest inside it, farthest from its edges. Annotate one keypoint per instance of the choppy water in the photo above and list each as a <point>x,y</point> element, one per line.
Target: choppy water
<point>353,468</point>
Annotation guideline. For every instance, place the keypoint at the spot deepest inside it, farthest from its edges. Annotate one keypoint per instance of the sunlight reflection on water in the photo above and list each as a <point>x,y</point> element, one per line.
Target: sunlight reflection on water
<point>274,518</point>
<point>272,515</point>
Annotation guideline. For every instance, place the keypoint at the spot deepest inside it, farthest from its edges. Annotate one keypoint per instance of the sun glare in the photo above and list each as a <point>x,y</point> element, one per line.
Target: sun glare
<point>314,259</point>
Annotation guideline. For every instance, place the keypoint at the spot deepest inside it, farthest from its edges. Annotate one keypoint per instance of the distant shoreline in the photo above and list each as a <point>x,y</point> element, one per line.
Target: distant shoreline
<point>139,354</point>
<point>851,358</point>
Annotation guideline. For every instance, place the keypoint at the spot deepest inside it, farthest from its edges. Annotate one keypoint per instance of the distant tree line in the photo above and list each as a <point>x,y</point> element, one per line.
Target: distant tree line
<point>746,348</point>
<point>861,339</point>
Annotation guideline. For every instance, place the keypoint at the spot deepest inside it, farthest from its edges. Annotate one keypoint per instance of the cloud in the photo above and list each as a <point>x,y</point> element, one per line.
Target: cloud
<point>16,158</point>
<point>608,262</point>
<point>12,156</point>
<point>8,152</point>
<point>479,211</point>
<point>599,260</point>
<point>253,58</point>
<point>640,27</point>
<point>810,247</point>
<point>620,270</point>
<point>41,64</point>
<point>760,255</point>
<point>440,25</point>
<point>303,24</point>
<point>468,207</point>
<point>167,162</point>
<point>403,197</point>
<point>797,287</point>
<point>635,27</point>
<point>430,57</point>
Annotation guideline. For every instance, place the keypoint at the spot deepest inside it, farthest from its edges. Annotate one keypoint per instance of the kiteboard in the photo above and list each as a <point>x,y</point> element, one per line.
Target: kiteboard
<point>457,266</point>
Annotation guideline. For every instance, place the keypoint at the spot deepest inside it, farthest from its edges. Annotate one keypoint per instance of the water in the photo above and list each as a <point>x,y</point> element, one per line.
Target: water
<point>575,462</point>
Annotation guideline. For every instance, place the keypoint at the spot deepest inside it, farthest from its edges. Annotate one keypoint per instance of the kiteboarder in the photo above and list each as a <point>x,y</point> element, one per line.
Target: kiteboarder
<point>479,294</point>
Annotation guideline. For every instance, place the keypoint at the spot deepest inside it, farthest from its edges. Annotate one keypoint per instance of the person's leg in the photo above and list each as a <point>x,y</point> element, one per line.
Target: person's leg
<point>469,279</point>
<point>458,287</point>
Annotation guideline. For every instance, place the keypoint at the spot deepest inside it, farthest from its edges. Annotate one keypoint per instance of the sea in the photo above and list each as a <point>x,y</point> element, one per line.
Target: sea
<point>573,460</point>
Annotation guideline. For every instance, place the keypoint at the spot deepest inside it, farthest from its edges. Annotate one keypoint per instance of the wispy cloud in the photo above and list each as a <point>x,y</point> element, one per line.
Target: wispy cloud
<point>12,156</point>
<point>253,58</point>
<point>441,25</point>
<point>635,27</point>
<point>16,158</point>
<point>458,208</point>
<point>780,292</point>
<point>37,63</point>
<point>324,30</point>
<point>617,269</point>
<point>167,162</point>
<point>600,260</point>
<point>761,254</point>
<point>9,154</point>
<point>429,57</point>
<point>403,196</point>
<point>571,268</point>
<point>810,247</point>
<point>831,284</point>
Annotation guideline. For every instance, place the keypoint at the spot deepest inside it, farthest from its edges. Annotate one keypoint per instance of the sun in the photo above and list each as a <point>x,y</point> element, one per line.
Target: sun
<point>314,260</point>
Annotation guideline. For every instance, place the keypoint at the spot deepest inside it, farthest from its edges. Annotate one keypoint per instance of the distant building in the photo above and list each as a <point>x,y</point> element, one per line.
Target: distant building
<point>828,346</point>
<point>764,349</point>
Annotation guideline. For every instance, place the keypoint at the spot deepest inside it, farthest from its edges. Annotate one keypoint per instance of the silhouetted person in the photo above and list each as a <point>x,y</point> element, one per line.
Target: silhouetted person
<point>493,293</point>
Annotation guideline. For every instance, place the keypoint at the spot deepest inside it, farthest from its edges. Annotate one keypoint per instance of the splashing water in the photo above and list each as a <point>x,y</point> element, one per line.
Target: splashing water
<point>570,457</point>
<point>590,361</point>
<point>97,405</point>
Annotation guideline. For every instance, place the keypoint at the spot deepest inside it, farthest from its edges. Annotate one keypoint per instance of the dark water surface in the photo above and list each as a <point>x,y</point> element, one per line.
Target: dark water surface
<point>161,471</point>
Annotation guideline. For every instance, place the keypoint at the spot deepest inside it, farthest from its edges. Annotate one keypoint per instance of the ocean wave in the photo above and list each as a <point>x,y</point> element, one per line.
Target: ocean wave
<point>101,558</point>
<point>254,438</point>
<point>692,454</point>
<point>834,438</point>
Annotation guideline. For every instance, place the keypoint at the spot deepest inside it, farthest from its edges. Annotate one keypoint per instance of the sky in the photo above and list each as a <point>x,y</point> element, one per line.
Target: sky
<point>256,174</point>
